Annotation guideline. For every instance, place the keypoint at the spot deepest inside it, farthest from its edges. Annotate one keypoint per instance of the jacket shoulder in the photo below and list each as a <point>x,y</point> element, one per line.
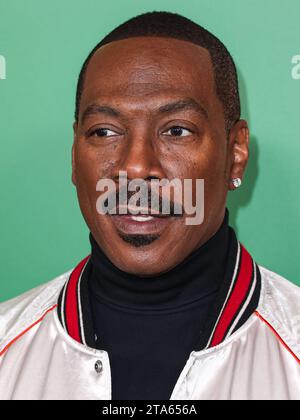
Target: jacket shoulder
<point>19,313</point>
<point>280,306</point>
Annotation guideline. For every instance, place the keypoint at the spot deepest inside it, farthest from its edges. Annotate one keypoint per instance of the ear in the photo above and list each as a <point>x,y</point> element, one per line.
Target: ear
<point>239,149</point>
<point>73,153</point>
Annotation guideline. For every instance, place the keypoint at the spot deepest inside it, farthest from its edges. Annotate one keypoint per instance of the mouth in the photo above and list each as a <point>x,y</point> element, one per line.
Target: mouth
<point>141,224</point>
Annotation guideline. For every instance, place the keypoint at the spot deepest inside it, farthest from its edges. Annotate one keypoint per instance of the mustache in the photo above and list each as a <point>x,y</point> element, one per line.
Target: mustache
<point>153,204</point>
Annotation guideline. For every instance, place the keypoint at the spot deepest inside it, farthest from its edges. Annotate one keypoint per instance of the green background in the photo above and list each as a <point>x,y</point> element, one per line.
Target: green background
<point>44,43</point>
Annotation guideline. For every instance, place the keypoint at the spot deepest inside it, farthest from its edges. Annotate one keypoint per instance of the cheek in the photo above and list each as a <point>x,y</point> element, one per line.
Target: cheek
<point>202,163</point>
<point>212,159</point>
<point>209,164</point>
<point>92,164</point>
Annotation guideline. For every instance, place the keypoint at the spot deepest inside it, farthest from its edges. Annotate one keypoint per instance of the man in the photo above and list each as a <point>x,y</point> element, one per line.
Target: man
<point>161,309</point>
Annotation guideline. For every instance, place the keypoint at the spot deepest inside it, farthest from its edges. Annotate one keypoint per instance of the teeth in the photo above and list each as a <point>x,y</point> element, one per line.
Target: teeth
<point>142,218</point>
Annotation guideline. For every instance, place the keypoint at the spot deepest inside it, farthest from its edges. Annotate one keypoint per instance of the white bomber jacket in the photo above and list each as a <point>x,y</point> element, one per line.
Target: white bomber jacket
<point>46,349</point>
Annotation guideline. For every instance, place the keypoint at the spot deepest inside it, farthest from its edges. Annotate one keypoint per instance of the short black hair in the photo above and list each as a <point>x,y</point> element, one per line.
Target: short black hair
<point>173,25</point>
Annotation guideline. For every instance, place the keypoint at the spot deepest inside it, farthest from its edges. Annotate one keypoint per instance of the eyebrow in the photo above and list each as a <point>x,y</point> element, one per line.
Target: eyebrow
<point>95,109</point>
<point>182,104</point>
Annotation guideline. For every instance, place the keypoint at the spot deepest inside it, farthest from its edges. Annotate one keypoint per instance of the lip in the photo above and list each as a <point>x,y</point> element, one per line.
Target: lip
<point>126,224</point>
<point>138,211</point>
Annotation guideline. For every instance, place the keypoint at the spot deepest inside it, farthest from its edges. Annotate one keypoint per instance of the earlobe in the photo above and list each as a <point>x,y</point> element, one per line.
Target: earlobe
<point>240,153</point>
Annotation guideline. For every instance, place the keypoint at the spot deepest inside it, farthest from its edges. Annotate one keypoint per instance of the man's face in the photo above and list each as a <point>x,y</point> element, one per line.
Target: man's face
<point>132,80</point>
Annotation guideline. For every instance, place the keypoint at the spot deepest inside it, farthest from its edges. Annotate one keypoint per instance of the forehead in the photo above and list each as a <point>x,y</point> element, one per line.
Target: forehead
<point>145,67</point>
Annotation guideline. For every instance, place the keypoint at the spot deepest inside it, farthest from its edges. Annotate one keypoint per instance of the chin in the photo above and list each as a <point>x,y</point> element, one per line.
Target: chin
<point>143,261</point>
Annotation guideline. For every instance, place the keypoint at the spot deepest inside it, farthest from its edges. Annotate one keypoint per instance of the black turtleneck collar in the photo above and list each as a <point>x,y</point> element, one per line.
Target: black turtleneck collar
<point>198,276</point>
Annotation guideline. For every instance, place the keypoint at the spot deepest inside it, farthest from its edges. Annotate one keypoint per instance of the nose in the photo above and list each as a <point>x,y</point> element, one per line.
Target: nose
<point>141,157</point>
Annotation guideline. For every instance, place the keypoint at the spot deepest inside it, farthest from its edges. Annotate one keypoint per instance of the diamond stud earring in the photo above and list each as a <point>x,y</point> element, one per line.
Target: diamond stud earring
<point>237,182</point>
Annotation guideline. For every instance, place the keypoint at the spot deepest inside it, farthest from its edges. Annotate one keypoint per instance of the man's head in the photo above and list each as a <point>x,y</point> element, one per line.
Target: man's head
<point>157,98</point>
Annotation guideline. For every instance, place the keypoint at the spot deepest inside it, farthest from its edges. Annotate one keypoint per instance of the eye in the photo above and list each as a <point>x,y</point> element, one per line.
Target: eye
<point>102,132</point>
<point>178,131</point>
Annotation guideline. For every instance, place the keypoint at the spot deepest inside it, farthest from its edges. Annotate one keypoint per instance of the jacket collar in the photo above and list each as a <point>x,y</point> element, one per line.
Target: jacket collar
<point>237,300</point>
